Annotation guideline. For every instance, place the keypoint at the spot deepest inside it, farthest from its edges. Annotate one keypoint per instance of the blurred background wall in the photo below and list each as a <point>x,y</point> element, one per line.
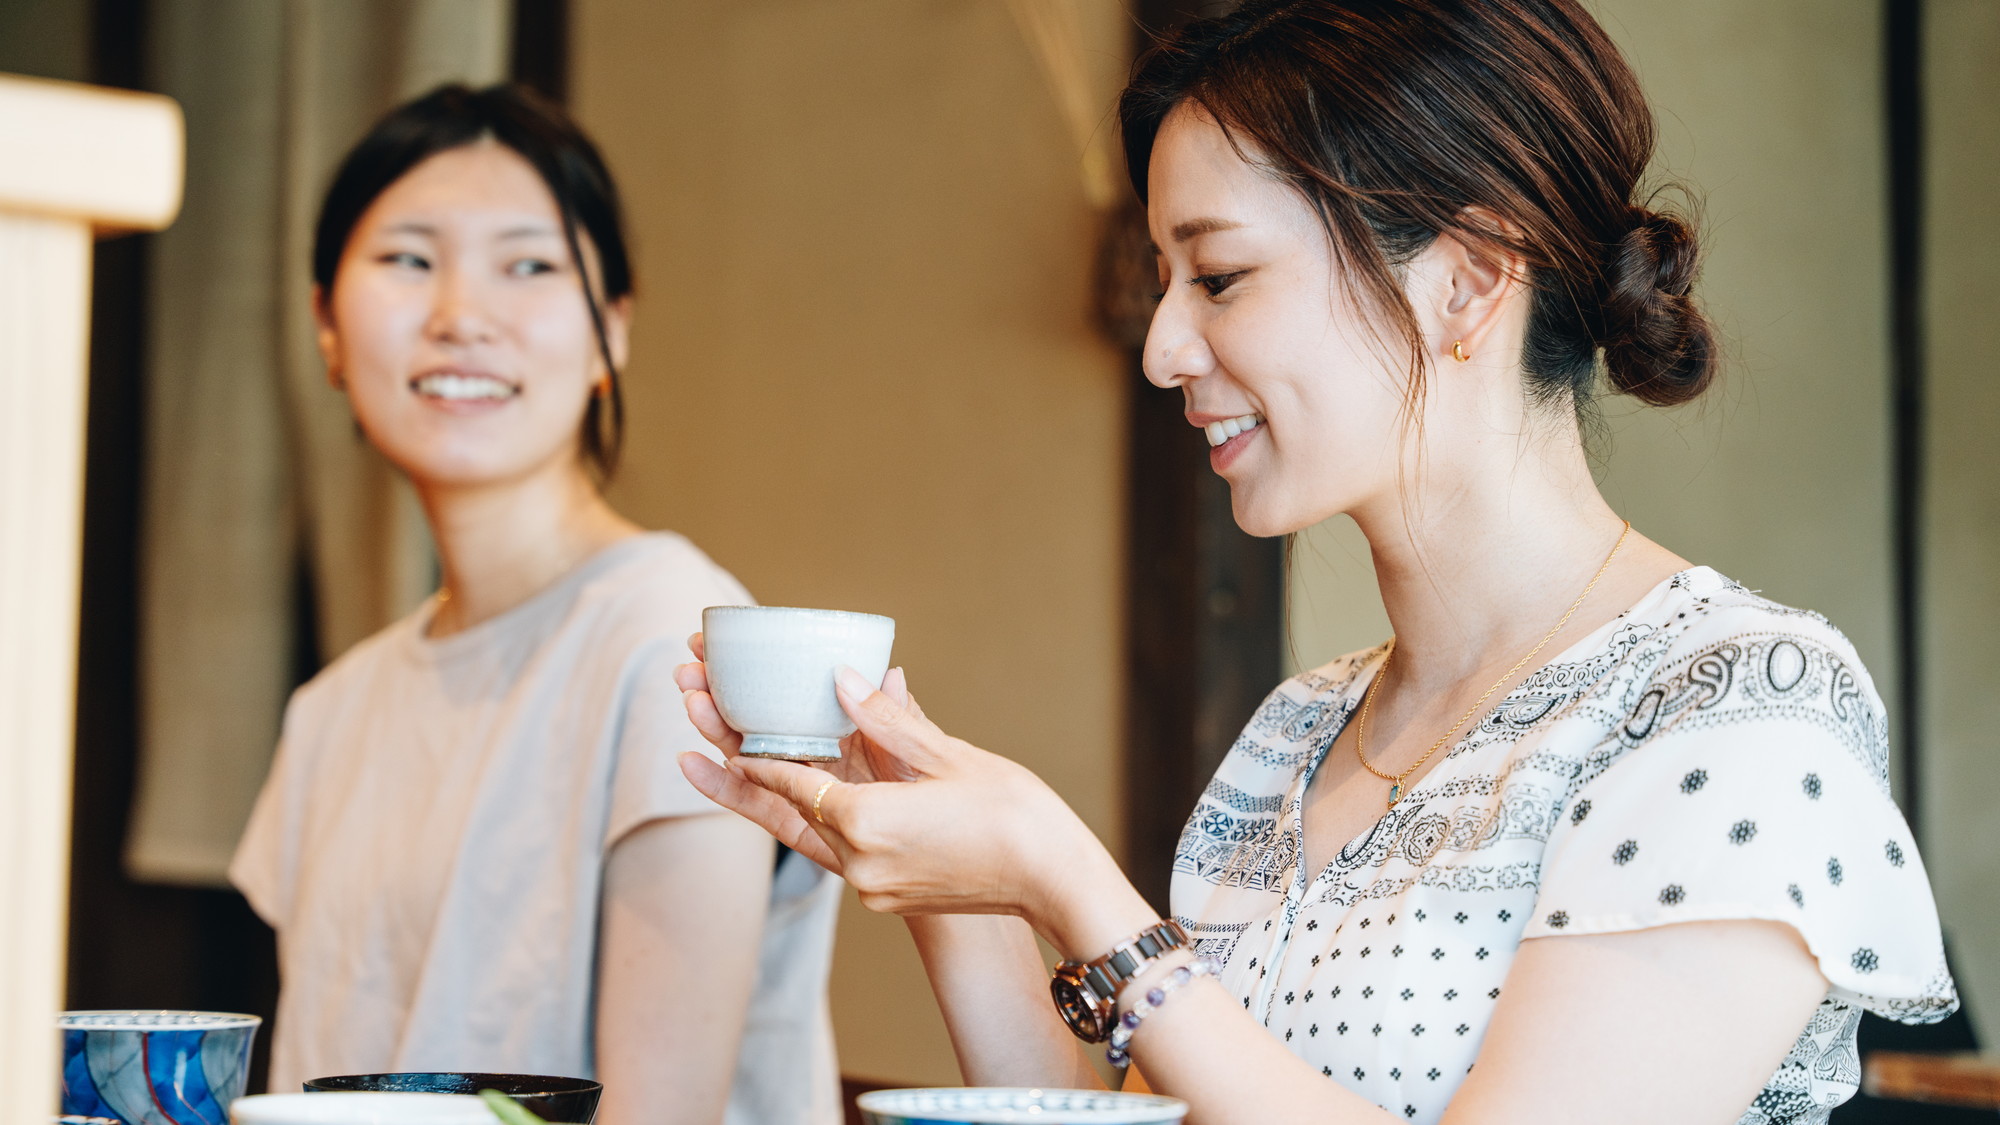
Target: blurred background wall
<point>865,374</point>
<point>1959,548</point>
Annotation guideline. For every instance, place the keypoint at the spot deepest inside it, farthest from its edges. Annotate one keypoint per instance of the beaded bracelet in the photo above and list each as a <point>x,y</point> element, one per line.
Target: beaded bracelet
<point>1118,1053</point>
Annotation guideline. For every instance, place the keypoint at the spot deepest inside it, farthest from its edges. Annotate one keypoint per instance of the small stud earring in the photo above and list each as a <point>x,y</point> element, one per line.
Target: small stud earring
<point>1458,351</point>
<point>601,388</point>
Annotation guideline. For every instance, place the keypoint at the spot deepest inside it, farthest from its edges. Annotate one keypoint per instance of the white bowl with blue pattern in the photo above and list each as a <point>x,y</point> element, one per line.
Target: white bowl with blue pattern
<point>148,1067</point>
<point>1000,1105</point>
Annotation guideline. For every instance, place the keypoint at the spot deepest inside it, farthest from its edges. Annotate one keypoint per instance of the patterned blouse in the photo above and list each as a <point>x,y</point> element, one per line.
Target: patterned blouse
<point>1707,755</point>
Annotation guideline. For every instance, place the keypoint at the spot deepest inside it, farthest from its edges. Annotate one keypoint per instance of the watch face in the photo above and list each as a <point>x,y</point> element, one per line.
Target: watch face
<point>1079,1009</point>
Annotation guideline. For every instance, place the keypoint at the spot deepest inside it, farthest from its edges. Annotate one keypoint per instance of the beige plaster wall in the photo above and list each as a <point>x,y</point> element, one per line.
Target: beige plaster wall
<point>863,375</point>
<point>1781,479</point>
<point>1961,544</point>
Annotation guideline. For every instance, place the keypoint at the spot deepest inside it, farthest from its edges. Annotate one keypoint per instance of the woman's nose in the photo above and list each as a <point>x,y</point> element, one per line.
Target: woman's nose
<point>1175,349</point>
<point>458,310</point>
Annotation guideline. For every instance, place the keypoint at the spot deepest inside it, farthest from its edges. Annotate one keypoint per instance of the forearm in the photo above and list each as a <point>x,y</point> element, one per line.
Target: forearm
<point>1202,1046</point>
<point>992,987</point>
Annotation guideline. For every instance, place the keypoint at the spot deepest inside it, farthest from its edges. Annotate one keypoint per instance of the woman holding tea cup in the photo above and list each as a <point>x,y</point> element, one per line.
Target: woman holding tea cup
<point>474,844</point>
<point>1599,834</point>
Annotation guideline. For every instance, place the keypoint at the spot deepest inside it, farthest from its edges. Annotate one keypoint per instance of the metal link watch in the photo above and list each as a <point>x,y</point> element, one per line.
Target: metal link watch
<point>1086,992</point>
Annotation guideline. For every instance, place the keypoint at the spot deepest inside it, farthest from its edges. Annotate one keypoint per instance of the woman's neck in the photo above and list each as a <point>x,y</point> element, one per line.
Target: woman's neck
<point>501,544</point>
<point>1485,559</point>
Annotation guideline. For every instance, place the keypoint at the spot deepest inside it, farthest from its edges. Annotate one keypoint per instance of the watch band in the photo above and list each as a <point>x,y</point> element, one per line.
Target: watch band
<point>1108,973</point>
<point>1086,992</point>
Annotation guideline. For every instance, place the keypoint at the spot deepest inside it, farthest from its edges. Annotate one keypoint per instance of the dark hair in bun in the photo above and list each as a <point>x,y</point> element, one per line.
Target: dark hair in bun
<point>1658,347</point>
<point>1402,119</point>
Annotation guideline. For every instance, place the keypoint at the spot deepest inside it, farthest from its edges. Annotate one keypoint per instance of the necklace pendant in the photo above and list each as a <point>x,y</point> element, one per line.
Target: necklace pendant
<point>1395,794</point>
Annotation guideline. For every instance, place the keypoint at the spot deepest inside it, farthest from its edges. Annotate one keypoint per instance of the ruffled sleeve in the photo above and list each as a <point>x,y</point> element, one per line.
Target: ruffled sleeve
<point>1747,781</point>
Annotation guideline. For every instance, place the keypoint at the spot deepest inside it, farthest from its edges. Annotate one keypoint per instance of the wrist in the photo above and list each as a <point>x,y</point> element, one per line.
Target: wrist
<point>1091,906</point>
<point>1072,893</point>
<point>1147,993</point>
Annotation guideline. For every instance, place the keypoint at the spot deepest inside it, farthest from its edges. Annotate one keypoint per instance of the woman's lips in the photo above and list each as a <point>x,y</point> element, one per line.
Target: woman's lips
<point>464,392</point>
<point>1219,432</point>
<point>1221,457</point>
<point>463,386</point>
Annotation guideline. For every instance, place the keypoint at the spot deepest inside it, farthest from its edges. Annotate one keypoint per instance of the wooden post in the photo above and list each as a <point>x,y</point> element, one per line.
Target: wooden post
<point>73,160</point>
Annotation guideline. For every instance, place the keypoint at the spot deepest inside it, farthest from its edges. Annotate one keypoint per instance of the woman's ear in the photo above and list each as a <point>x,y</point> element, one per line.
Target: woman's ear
<point>327,337</point>
<point>1486,283</point>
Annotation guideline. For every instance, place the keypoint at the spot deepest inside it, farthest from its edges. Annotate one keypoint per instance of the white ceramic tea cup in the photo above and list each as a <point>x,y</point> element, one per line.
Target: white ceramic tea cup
<point>770,671</point>
<point>369,1108</point>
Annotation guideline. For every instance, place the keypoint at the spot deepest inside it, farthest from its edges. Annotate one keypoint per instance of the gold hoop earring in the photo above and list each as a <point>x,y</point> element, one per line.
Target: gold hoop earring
<point>1458,351</point>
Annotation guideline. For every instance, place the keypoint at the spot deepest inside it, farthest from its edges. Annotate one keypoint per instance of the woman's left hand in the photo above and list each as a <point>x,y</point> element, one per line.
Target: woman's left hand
<point>969,832</point>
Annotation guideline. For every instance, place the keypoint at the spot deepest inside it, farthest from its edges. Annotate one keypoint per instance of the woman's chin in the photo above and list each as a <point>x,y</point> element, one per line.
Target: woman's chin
<point>463,469</point>
<point>1267,516</point>
<point>1263,520</point>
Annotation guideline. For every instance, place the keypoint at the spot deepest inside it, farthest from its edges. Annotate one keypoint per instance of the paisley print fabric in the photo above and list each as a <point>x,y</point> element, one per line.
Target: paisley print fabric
<point>1707,755</point>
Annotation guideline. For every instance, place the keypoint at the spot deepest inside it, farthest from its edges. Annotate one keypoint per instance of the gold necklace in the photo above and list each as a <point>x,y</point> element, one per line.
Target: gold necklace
<point>1368,699</point>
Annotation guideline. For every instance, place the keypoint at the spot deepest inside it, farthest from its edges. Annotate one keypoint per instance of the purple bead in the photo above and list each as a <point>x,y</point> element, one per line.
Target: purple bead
<point>1155,997</point>
<point>1129,1019</point>
<point>1181,976</point>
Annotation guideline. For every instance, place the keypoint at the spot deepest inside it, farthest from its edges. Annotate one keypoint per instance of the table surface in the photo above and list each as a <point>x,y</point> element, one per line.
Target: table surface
<point>1965,1079</point>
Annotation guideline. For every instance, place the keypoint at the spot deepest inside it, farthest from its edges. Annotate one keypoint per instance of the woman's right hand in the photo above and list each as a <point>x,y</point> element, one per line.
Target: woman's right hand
<point>987,971</point>
<point>861,760</point>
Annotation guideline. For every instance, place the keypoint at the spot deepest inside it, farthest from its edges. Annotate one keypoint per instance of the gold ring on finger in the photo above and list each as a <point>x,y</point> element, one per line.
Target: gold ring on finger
<point>821,796</point>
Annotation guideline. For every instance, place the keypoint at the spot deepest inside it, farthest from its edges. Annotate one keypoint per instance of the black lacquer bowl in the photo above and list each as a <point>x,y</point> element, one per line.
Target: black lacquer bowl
<point>572,1101</point>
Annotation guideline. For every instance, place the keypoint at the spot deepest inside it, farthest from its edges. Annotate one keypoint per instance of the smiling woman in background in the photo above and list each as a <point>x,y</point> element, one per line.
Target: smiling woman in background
<point>1598,835</point>
<point>474,845</point>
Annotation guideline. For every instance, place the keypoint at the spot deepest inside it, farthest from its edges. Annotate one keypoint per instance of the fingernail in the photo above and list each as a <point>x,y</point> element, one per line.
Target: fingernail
<point>852,684</point>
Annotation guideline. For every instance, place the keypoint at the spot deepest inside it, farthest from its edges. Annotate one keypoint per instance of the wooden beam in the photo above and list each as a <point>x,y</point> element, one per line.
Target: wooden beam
<point>1962,1079</point>
<point>73,158</point>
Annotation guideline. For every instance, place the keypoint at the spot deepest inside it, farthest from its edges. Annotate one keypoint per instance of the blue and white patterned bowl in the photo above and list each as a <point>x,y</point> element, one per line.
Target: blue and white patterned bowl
<point>1017,1106</point>
<point>155,1067</point>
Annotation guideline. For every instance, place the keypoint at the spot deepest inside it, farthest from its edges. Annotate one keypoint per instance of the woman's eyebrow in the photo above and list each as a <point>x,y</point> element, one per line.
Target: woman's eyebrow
<point>533,230</point>
<point>1194,228</point>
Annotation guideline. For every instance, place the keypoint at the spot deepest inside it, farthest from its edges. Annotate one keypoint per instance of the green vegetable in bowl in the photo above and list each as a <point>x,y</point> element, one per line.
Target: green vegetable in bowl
<point>509,1111</point>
